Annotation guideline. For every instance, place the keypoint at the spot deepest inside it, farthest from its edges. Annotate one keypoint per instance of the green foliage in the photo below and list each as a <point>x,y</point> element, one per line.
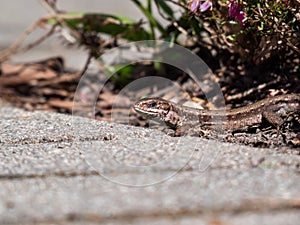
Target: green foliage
<point>122,73</point>
<point>98,23</point>
<point>270,27</point>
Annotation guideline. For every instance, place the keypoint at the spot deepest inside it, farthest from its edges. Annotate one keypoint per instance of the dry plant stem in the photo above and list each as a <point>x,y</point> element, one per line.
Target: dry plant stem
<point>181,29</point>
<point>86,65</point>
<point>60,17</point>
<point>15,47</point>
<point>252,90</point>
<point>175,24</point>
<point>48,7</point>
<point>293,46</point>
<point>39,41</point>
<point>179,4</point>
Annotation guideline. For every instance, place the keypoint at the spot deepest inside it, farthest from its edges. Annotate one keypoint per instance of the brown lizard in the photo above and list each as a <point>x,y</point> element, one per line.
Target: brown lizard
<point>182,118</point>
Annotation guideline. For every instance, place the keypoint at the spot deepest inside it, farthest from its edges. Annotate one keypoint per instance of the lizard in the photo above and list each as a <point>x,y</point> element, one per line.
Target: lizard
<point>182,118</point>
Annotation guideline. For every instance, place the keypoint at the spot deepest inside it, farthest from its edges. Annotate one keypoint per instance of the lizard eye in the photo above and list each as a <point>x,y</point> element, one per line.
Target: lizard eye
<point>153,104</point>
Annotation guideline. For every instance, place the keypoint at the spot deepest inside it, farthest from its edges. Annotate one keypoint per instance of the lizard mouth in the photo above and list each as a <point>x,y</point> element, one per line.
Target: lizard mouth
<point>146,113</point>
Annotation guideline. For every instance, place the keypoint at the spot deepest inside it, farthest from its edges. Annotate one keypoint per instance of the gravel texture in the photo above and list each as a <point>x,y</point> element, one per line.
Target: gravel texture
<point>59,169</point>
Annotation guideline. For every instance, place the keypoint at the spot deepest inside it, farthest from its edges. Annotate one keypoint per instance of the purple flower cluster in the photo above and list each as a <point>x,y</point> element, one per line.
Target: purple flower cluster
<point>198,6</point>
<point>235,11</point>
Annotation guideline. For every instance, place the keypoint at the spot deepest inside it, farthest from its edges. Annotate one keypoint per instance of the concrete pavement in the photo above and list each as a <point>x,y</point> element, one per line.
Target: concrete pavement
<point>59,169</point>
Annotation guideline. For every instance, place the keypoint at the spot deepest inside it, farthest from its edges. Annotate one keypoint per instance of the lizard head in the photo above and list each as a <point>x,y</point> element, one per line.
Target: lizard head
<point>157,109</point>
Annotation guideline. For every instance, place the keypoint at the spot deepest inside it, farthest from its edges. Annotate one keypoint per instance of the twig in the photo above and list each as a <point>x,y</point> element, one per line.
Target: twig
<point>178,3</point>
<point>4,55</point>
<point>293,46</point>
<point>15,47</point>
<point>39,41</point>
<point>86,65</point>
<point>252,90</point>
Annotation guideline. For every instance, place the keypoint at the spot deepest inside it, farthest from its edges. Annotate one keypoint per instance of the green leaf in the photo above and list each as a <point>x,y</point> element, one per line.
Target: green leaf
<point>166,8</point>
<point>104,23</point>
<point>122,73</point>
<point>153,22</point>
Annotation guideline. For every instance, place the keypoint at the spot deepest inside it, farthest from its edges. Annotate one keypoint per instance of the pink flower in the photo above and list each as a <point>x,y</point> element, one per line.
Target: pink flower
<point>235,11</point>
<point>196,7</point>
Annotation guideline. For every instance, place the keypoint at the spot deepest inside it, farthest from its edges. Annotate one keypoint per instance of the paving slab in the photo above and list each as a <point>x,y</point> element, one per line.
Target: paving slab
<point>59,169</point>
